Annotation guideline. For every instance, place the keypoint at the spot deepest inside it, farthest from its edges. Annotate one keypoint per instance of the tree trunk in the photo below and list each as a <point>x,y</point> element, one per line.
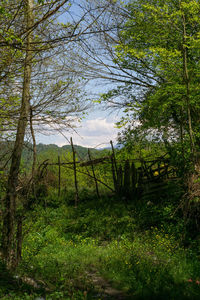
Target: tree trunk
<point>187,85</point>
<point>8,236</point>
<point>182,134</point>
<point>34,145</point>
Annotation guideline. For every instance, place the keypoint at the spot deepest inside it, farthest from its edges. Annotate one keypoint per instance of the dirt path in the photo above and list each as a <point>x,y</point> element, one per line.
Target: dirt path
<point>104,288</point>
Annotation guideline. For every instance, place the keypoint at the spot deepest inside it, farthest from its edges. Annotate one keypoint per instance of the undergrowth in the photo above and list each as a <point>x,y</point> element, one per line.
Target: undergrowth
<point>139,249</point>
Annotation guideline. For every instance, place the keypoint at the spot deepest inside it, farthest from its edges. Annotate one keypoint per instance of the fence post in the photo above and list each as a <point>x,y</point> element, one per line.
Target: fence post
<point>120,181</point>
<point>114,169</point>
<point>59,176</point>
<point>95,180</point>
<point>75,175</point>
<point>134,179</point>
<point>127,178</point>
<point>113,174</point>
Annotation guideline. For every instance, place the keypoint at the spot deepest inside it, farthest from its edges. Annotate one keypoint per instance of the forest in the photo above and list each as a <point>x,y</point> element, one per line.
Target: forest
<point>120,222</point>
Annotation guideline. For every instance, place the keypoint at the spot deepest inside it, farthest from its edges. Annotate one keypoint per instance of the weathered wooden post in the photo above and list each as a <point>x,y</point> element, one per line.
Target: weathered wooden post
<point>134,180</point>
<point>59,175</point>
<point>93,172</point>
<point>120,179</point>
<point>127,179</point>
<point>75,175</point>
<point>114,169</point>
<point>113,174</point>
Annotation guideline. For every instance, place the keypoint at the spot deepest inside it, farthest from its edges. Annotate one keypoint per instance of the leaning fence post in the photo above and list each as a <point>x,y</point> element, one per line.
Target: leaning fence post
<point>114,169</point>
<point>114,158</point>
<point>75,175</point>
<point>95,180</point>
<point>113,174</point>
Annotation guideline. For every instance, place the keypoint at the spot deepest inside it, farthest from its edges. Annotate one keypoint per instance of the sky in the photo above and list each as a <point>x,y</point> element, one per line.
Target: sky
<point>98,127</point>
<point>95,131</point>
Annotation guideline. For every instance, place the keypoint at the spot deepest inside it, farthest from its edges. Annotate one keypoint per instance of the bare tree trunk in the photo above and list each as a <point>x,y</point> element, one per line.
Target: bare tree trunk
<point>8,237</point>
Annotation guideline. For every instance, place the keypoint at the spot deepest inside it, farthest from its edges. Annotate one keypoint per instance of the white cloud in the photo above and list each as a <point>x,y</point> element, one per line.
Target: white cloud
<point>91,133</point>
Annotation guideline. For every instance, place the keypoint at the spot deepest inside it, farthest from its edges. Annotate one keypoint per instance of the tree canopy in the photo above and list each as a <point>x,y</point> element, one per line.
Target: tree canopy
<point>160,42</point>
<point>151,55</point>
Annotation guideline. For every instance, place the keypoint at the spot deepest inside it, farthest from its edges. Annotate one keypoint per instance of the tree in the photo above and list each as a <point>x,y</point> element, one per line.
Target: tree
<point>10,69</point>
<point>42,42</point>
<point>166,50</point>
<point>10,199</point>
<point>154,54</point>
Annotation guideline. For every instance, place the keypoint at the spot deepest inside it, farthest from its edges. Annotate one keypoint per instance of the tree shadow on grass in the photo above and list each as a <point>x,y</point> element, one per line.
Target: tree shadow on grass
<point>182,291</point>
<point>10,284</point>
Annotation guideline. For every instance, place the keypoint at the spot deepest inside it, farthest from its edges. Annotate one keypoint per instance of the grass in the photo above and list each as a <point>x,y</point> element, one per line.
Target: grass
<point>139,249</point>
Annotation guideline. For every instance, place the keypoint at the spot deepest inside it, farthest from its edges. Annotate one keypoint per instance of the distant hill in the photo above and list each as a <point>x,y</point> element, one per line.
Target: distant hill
<point>50,151</point>
<point>81,151</point>
<point>117,146</point>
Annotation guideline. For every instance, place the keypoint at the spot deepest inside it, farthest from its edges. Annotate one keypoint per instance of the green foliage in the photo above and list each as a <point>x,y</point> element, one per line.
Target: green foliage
<point>158,44</point>
<point>9,66</point>
<point>136,247</point>
<point>150,267</point>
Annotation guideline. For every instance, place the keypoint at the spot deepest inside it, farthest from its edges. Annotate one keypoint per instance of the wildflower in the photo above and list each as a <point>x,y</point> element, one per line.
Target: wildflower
<point>197,282</point>
<point>190,280</point>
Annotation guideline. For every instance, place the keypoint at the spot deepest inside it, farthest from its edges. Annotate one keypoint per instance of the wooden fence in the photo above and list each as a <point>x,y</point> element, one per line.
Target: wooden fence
<point>129,181</point>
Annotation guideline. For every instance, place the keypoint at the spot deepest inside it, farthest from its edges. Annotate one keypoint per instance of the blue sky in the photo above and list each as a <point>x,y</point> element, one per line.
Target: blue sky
<point>98,127</point>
